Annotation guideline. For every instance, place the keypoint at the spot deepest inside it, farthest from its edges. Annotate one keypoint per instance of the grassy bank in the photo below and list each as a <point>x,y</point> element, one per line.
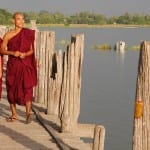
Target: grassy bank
<point>93,26</point>
<point>87,26</point>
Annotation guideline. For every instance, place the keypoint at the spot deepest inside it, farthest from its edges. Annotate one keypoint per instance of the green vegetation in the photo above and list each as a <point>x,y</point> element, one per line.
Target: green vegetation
<point>63,42</point>
<point>135,47</point>
<point>102,47</point>
<point>44,18</point>
<point>106,47</point>
<point>5,17</point>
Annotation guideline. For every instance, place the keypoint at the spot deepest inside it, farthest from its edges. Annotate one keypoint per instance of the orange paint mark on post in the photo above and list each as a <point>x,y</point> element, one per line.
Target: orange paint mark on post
<point>138,109</point>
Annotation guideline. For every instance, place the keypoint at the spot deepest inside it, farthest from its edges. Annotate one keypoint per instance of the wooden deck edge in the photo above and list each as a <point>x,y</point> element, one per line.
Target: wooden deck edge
<point>50,130</point>
<point>62,142</point>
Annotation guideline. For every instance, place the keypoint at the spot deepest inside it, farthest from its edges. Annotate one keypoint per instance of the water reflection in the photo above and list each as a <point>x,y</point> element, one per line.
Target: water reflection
<point>120,56</point>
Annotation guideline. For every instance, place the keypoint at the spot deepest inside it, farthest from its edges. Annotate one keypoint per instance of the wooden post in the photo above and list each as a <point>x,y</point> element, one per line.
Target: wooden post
<point>141,137</point>
<point>55,84</point>
<point>99,138</point>
<point>44,49</point>
<point>71,85</point>
<point>50,44</point>
<point>3,30</point>
<point>33,24</point>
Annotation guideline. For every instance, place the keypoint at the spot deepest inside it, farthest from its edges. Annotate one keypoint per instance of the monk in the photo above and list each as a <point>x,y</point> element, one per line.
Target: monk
<point>1,63</point>
<point>21,74</point>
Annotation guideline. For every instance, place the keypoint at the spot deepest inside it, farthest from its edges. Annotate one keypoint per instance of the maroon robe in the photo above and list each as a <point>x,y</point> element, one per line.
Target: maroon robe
<point>1,62</point>
<point>21,75</point>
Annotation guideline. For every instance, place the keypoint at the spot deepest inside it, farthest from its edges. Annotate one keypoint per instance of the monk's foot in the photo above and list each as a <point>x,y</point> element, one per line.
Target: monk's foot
<point>29,118</point>
<point>11,119</point>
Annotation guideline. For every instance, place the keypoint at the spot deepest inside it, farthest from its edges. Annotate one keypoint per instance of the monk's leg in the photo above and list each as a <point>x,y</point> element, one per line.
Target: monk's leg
<point>13,110</point>
<point>13,117</point>
<point>28,108</point>
<point>28,112</point>
<point>28,99</point>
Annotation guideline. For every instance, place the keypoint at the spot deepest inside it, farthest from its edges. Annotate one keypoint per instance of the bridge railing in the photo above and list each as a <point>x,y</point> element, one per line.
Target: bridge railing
<point>59,84</point>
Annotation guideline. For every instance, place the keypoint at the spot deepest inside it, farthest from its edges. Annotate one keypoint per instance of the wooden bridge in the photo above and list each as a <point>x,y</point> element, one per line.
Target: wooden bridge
<point>20,136</point>
<point>56,103</point>
<point>41,134</point>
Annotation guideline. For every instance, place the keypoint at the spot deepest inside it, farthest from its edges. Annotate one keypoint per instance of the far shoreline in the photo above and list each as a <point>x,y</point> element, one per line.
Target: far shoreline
<point>92,26</point>
<point>84,26</point>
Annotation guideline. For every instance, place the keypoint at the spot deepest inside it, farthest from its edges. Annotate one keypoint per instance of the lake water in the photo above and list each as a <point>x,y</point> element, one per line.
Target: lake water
<point>108,81</point>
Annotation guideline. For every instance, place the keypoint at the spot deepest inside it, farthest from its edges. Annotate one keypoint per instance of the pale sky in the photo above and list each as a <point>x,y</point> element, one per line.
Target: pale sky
<point>106,7</point>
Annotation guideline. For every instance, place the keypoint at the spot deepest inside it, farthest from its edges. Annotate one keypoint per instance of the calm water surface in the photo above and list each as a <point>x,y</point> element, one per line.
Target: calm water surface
<point>108,81</point>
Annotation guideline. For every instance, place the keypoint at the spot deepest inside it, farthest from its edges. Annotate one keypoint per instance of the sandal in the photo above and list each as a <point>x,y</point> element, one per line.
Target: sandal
<point>11,119</point>
<point>28,119</point>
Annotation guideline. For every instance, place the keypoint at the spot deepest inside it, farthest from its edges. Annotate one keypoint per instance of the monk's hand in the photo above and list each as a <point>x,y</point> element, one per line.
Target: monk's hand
<point>22,55</point>
<point>16,53</point>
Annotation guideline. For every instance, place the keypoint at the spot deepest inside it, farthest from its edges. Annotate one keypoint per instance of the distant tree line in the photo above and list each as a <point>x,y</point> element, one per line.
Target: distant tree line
<point>5,17</point>
<point>45,17</point>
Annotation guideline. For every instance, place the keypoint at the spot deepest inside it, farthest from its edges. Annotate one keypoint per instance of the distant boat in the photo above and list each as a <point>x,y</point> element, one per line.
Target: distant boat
<point>120,46</point>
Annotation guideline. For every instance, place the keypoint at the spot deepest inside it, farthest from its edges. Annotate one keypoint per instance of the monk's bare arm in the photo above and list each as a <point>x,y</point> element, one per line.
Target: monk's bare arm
<point>28,53</point>
<point>3,49</point>
<point>4,46</point>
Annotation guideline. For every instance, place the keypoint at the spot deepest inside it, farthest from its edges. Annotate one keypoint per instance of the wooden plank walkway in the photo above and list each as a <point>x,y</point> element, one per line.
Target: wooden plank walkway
<point>21,136</point>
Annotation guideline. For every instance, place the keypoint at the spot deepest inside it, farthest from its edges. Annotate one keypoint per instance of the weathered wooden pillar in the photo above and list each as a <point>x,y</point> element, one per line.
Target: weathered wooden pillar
<point>33,25</point>
<point>55,84</point>
<point>44,49</point>
<point>99,138</point>
<point>71,84</point>
<point>3,30</point>
<point>141,137</point>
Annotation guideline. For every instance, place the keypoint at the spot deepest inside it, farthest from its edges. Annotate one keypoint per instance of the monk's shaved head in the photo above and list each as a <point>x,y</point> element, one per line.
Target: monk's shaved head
<point>18,19</point>
<point>17,13</point>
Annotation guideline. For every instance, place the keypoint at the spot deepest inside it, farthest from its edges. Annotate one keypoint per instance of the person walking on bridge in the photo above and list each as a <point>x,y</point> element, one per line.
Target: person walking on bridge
<point>21,75</point>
